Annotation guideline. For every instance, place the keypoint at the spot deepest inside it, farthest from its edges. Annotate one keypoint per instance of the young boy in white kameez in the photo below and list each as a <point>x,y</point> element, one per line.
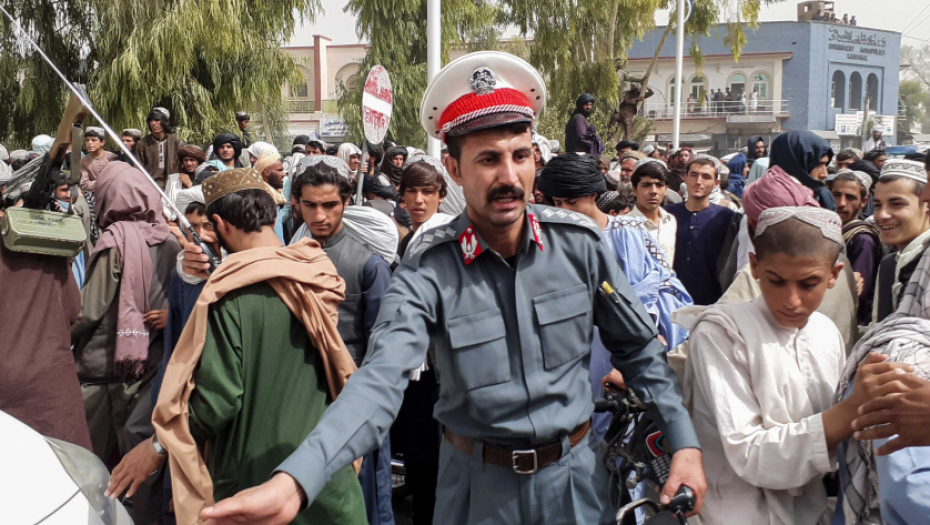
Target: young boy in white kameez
<point>760,380</point>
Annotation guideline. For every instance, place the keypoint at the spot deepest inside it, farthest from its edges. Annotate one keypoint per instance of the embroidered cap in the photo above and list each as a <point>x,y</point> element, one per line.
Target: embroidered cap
<point>231,181</point>
<point>482,90</point>
<point>828,222</point>
<point>910,169</point>
<point>333,162</point>
<point>863,177</point>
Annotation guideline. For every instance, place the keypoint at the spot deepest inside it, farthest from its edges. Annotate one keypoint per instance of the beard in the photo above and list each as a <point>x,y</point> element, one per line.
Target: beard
<point>276,182</point>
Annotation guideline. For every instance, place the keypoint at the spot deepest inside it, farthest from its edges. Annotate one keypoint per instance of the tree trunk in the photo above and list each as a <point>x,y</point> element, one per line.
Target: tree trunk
<point>613,32</point>
<point>655,58</point>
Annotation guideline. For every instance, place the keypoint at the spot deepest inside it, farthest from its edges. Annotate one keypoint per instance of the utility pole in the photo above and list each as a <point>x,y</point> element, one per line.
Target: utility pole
<point>433,57</point>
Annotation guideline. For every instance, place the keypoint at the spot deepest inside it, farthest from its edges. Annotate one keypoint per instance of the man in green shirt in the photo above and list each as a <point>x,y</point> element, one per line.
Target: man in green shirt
<point>260,383</point>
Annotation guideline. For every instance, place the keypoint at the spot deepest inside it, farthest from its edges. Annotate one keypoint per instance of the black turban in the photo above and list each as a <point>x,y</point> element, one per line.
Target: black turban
<point>227,138</point>
<point>570,175</point>
<point>375,186</point>
<point>627,144</point>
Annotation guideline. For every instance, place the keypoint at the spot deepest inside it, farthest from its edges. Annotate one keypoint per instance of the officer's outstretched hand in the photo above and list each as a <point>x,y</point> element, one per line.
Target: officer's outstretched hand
<point>687,469</point>
<point>275,502</point>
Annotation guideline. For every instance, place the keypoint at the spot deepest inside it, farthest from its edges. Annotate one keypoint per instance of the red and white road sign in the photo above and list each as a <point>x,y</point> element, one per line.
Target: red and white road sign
<point>377,104</point>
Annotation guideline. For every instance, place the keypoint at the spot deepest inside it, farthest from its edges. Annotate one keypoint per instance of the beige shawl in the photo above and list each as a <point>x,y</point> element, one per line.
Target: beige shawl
<point>306,281</point>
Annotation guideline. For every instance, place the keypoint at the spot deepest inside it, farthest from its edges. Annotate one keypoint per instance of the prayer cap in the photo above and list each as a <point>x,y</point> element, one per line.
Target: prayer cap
<point>231,181</point>
<point>606,197</point>
<point>863,177</point>
<point>132,132</point>
<point>333,162</point>
<point>879,129</point>
<point>481,90</point>
<point>649,149</point>
<point>642,162</point>
<point>242,115</point>
<point>163,111</point>
<point>828,222</point>
<point>910,169</point>
<point>94,131</point>
<point>613,176</point>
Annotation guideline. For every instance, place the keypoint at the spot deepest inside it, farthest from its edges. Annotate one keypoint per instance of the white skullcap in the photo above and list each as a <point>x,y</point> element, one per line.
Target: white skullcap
<point>333,162</point>
<point>828,222</point>
<point>863,177</point>
<point>910,169</point>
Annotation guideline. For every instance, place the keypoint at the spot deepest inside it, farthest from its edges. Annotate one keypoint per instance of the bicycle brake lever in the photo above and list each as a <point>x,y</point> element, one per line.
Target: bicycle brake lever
<point>683,501</point>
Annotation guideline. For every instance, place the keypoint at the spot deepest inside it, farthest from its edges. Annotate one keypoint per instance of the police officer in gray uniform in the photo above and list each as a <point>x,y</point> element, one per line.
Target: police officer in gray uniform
<point>508,294</point>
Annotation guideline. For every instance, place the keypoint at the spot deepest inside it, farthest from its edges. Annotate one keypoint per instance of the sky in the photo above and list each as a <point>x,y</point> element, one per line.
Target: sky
<point>340,26</point>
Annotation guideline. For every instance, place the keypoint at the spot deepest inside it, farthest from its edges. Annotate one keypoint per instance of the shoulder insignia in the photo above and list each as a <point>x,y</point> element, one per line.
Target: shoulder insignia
<point>432,237</point>
<point>555,215</point>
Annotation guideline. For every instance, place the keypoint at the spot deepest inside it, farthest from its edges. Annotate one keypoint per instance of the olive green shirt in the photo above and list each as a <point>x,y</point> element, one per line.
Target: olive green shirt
<point>259,391</point>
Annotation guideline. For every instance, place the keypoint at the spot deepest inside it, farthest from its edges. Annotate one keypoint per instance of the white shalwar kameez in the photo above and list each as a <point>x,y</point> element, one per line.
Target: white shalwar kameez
<point>756,391</point>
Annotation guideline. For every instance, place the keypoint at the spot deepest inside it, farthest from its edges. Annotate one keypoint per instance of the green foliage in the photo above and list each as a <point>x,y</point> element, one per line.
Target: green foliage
<point>202,59</point>
<point>396,33</point>
<point>916,98</point>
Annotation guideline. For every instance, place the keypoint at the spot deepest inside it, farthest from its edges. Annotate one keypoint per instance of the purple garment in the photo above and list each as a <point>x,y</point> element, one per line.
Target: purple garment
<point>581,137</point>
<point>865,254</point>
<point>698,242</point>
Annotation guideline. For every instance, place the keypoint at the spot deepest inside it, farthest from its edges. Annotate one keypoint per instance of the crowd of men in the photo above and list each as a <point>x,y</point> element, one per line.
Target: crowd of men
<point>769,307</point>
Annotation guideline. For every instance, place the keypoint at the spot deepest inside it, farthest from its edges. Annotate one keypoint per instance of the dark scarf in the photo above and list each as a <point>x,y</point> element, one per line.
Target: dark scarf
<point>751,149</point>
<point>388,167</point>
<point>798,153</point>
<point>580,103</point>
<point>231,139</point>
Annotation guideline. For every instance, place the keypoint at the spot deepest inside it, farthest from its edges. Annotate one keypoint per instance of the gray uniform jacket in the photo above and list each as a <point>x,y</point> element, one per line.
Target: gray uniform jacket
<point>512,344</point>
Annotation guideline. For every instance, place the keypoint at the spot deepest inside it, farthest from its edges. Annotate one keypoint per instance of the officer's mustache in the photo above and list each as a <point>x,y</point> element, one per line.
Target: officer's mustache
<point>506,191</point>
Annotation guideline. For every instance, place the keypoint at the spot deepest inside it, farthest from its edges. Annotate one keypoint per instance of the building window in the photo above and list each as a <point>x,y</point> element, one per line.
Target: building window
<point>299,90</point>
<point>671,90</point>
<point>760,84</point>
<point>871,91</point>
<point>698,87</point>
<point>855,91</point>
<point>838,90</point>
<point>737,85</point>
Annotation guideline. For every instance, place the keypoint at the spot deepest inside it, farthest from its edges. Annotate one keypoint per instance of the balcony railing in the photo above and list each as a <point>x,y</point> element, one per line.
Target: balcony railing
<point>309,106</point>
<point>301,106</point>
<point>761,111</point>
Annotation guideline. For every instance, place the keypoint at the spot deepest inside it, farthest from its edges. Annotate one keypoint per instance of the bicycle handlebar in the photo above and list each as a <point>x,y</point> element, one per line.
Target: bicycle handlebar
<point>682,503</point>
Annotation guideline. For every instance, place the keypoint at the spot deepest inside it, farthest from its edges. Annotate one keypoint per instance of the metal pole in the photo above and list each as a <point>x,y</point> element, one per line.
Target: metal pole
<point>433,56</point>
<point>360,177</point>
<point>679,66</point>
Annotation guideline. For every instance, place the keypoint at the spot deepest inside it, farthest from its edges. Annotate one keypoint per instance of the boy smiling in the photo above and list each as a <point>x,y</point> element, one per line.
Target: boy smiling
<point>903,223</point>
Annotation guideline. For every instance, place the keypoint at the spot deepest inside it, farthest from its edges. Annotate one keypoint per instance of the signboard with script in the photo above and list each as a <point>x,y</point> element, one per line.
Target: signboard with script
<point>377,105</point>
<point>850,124</point>
<point>856,44</point>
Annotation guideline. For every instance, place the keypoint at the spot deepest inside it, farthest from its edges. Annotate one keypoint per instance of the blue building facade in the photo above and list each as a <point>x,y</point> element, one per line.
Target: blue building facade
<point>825,70</point>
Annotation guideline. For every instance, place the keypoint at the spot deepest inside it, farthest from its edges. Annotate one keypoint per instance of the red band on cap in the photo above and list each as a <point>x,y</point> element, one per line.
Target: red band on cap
<point>472,106</point>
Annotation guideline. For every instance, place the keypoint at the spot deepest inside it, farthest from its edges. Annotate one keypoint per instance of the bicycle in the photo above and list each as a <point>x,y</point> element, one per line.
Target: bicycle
<point>634,451</point>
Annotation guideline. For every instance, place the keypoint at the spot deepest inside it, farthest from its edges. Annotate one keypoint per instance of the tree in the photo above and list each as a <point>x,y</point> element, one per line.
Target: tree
<point>203,60</point>
<point>916,99</point>
<point>919,60</point>
<point>396,35</point>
